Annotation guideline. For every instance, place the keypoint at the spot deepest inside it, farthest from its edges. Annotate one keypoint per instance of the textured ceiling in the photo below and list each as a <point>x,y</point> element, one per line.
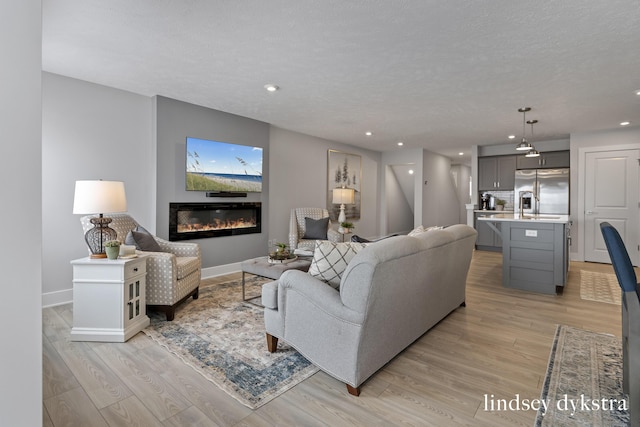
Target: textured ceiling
<point>443,75</point>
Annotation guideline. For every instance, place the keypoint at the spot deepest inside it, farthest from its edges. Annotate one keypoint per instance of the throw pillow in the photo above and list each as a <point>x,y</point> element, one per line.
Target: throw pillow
<point>145,242</point>
<point>128,240</point>
<point>142,239</point>
<point>316,228</point>
<point>330,259</point>
<point>418,230</point>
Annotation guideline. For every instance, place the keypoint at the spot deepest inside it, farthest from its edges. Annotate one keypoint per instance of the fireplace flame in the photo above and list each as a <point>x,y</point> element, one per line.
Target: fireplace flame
<point>217,224</point>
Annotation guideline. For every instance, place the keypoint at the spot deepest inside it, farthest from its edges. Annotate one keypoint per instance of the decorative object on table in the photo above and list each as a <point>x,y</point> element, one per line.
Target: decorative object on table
<point>127,251</point>
<point>500,204</point>
<point>222,338</point>
<point>281,254</point>
<point>342,196</point>
<point>583,364</point>
<point>344,172</point>
<point>346,227</point>
<point>99,197</point>
<point>112,248</point>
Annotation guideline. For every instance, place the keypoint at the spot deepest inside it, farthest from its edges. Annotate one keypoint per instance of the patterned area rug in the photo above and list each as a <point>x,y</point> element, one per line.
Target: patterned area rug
<point>583,384</point>
<point>601,287</point>
<point>224,340</point>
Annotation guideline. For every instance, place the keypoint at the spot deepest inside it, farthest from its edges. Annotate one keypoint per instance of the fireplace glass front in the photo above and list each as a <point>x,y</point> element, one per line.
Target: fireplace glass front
<point>203,220</point>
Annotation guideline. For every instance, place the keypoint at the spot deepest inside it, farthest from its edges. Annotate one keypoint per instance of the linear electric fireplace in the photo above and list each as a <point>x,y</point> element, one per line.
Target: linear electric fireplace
<point>202,220</point>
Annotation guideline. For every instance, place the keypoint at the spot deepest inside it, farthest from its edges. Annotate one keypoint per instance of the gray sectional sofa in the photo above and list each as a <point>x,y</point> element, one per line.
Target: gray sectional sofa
<point>390,294</point>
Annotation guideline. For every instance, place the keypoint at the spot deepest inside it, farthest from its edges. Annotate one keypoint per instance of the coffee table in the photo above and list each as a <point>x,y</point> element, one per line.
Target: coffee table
<point>263,268</point>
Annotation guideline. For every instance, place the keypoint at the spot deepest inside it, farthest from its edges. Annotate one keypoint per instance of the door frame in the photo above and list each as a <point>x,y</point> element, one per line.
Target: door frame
<point>581,188</point>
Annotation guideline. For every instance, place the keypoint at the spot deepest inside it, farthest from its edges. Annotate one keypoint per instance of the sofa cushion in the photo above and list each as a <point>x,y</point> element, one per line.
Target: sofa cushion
<point>316,228</point>
<point>330,259</point>
<point>185,265</point>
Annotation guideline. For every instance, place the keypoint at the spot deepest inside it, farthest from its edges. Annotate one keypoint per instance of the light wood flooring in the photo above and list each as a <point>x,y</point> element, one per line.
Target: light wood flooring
<point>498,344</point>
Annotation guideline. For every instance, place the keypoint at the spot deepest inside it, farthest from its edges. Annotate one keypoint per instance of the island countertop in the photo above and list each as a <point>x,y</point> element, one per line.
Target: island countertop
<point>515,217</point>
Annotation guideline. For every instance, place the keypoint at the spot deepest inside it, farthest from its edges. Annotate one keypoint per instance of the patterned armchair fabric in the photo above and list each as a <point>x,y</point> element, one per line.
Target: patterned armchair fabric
<point>172,275</point>
<point>297,227</point>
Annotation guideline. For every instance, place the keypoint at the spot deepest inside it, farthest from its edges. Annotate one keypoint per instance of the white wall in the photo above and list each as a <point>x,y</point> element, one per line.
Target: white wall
<point>298,178</point>
<point>399,193</point>
<point>440,205</point>
<point>21,213</point>
<point>461,175</point>
<point>89,132</point>
<point>626,138</point>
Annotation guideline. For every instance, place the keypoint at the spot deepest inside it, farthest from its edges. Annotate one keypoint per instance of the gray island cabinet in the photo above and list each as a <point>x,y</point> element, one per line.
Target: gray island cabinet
<point>535,251</point>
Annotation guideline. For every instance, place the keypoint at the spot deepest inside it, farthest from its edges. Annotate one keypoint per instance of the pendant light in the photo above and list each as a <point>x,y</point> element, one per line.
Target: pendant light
<point>533,152</point>
<point>524,145</point>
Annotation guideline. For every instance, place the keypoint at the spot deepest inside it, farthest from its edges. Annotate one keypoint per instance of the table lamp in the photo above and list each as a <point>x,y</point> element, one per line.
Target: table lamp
<point>98,197</point>
<point>343,196</point>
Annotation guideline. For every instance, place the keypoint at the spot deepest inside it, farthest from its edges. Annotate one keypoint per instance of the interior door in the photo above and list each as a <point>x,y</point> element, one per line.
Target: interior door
<point>611,194</point>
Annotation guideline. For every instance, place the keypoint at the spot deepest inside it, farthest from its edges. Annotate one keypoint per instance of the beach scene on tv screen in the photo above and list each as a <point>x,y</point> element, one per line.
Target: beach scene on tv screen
<point>223,166</point>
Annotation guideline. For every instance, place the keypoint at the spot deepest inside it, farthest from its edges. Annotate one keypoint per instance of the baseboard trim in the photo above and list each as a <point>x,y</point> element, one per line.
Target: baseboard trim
<point>220,270</point>
<point>51,299</point>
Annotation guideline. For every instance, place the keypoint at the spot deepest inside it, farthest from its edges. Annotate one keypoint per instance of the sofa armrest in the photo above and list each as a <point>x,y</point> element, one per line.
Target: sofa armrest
<point>316,292</point>
<point>179,248</point>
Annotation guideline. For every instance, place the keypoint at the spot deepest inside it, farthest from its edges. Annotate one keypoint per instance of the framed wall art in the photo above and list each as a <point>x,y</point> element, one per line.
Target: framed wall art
<point>344,172</point>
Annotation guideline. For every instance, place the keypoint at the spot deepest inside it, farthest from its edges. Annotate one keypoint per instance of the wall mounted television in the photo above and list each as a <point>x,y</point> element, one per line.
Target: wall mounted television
<point>223,167</point>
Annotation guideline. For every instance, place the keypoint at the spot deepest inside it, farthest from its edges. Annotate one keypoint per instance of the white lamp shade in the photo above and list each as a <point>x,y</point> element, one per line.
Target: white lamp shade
<point>92,197</point>
<point>343,196</point>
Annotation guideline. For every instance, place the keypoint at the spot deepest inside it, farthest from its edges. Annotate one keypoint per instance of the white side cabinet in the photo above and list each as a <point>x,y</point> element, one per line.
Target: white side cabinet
<point>108,299</point>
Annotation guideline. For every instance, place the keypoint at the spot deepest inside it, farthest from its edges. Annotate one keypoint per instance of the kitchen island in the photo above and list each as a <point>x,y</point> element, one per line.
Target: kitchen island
<point>535,250</point>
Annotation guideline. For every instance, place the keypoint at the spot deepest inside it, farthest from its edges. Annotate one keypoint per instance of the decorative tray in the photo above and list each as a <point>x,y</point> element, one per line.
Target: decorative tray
<point>281,261</point>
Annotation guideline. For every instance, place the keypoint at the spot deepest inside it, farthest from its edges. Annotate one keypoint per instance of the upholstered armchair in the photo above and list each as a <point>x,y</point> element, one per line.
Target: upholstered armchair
<point>173,275</point>
<point>298,236</point>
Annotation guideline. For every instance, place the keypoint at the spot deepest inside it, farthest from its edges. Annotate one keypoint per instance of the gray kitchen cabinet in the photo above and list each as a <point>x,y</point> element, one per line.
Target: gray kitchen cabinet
<point>488,239</point>
<point>496,173</point>
<point>551,159</point>
<point>535,256</point>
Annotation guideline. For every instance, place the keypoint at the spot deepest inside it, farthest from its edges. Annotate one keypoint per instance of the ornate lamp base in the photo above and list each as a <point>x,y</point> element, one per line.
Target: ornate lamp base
<point>98,235</point>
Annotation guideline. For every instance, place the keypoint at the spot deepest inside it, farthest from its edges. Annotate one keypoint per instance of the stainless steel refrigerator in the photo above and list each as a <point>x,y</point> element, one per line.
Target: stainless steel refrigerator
<point>542,191</point>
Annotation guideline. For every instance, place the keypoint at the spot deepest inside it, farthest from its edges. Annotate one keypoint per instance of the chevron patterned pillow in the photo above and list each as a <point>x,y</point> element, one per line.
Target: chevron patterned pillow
<point>330,259</point>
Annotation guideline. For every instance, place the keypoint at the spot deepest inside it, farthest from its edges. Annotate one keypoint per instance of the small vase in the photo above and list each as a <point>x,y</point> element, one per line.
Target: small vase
<point>112,252</point>
<point>499,207</point>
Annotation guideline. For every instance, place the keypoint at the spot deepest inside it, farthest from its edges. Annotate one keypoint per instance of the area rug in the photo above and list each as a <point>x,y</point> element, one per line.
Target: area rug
<point>601,287</point>
<point>583,384</point>
<point>223,339</point>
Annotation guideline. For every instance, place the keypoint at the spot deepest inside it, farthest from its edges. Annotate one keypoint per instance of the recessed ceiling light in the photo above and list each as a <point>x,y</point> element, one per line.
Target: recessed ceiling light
<point>511,136</point>
<point>410,171</point>
<point>638,92</point>
<point>460,154</point>
<point>625,123</point>
<point>271,88</point>
<point>400,143</point>
<point>368,133</point>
